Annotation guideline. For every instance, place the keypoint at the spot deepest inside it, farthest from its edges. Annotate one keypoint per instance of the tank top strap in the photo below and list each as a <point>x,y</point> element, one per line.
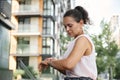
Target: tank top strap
<point>93,47</point>
<point>79,36</point>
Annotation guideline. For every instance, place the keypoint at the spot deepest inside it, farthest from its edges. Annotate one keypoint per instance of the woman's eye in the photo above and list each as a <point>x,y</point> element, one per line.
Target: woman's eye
<point>70,26</point>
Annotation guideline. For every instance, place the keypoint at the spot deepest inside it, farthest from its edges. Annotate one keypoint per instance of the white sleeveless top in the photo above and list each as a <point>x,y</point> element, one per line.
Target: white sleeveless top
<point>86,66</point>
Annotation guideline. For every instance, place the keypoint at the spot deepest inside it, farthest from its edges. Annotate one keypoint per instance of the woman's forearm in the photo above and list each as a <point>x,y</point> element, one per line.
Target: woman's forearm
<point>60,65</point>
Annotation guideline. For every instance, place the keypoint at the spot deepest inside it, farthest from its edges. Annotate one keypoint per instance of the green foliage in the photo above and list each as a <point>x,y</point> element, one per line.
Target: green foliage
<point>34,73</point>
<point>106,49</point>
<point>18,72</point>
<point>117,69</point>
<point>64,40</point>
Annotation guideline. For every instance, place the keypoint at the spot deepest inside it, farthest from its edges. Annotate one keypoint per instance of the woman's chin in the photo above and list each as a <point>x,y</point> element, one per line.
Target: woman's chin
<point>71,35</point>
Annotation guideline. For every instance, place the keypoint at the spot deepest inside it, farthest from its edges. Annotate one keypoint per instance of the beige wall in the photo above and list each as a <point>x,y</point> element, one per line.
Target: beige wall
<point>12,63</point>
<point>33,62</point>
<point>34,45</point>
<point>34,24</point>
<point>15,5</point>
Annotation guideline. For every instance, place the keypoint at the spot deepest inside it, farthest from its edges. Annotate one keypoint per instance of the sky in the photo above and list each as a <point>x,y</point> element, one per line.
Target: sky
<point>100,9</point>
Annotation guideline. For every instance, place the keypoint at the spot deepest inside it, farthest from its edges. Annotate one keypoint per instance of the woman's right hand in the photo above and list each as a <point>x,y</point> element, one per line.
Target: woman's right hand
<point>42,66</point>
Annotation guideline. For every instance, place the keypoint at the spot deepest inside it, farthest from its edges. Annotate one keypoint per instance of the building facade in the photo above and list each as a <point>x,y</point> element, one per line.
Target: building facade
<point>36,34</point>
<point>115,28</point>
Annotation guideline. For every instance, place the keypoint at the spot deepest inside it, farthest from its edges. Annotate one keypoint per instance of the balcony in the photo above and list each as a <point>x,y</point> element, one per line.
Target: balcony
<point>25,50</point>
<point>28,10</point>
<point>27,30</point>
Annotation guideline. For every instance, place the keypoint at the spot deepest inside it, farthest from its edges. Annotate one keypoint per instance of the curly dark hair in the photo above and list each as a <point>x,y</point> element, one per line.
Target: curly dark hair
<point>78,13</point>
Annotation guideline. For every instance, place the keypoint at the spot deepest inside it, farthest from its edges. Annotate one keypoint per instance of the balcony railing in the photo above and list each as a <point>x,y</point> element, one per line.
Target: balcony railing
<point>27,28</point>
<point>28,8</point>
<point>23,49</point>
<point>26,49</point>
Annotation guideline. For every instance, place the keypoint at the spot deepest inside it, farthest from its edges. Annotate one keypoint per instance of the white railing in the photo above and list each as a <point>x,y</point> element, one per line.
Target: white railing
<point>28,8</point>
<point>27,28</point>
<point>23,49</point>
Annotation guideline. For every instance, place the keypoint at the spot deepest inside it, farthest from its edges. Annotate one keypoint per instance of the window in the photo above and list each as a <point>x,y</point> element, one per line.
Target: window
<point>24,24</point>
<point>23,46</point>
<point>48,7</point>
<point>47,26</point>
<point>21,2</point>
<point>47,49</point>
<point>25,5</point>
<point>47,46</point>
<point>24,20</point>
<point>20,60</point>
<point>23,40</point>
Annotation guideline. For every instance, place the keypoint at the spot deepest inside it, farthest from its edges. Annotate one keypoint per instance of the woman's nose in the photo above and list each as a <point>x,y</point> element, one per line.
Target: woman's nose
<point>67,28</point>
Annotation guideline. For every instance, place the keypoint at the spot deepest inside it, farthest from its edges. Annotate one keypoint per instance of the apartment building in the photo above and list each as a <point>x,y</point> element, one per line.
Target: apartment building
<point>115,28</point>
<point>33,38</point>
<point>36,34</point>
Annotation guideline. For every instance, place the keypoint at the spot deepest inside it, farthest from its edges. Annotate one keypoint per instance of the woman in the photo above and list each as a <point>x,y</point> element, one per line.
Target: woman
<point>79,60</point>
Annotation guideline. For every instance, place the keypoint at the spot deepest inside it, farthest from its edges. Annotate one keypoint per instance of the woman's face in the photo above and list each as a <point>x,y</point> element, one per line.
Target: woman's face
<point>72,27</point>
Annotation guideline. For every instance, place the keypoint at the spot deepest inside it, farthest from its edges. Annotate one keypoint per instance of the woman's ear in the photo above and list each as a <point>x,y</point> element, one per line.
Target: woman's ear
<point>81,22</point>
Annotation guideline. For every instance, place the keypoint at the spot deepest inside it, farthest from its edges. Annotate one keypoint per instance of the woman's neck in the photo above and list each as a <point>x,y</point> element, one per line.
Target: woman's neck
<point>78,35</point>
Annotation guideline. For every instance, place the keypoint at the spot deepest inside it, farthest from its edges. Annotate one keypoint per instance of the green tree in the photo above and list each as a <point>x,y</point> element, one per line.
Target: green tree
<point>106,49</point>
<point>64,40</point>
<point>117,69</point>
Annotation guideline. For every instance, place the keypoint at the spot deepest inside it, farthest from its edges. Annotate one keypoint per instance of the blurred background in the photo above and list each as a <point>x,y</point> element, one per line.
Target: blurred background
<point>32,30</point>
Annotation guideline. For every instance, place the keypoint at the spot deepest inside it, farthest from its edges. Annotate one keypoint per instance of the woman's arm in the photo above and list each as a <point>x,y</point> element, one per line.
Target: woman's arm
<point>80,47</point>
<point>46,63</point>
